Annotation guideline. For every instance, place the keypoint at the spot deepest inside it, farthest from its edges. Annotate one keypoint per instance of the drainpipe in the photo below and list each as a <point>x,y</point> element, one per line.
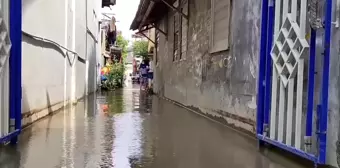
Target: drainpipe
<point>310,92</point>
<point>86,50</point>
<point>325,84</point>
<point>261,66</point>
<point>65,59</point>
<point>268,73</point>
<point>74,65</point>
<point>15,64</point>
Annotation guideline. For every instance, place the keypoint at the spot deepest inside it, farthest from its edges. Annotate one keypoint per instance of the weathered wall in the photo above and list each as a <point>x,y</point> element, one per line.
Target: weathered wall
<point>221,84</point>
<point>51,77</point>
<point>333,143</point>
<point>224,84</point>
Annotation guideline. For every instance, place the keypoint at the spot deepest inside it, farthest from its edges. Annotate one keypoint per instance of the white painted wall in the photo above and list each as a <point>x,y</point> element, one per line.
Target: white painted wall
<point>48,76</point>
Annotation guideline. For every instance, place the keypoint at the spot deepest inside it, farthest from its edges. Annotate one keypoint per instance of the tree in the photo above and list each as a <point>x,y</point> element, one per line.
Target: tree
<point>140,48</point>
<point>122,43</point>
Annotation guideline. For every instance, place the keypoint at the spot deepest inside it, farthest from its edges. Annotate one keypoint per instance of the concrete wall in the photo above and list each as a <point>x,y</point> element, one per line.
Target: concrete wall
<point>221,84</point>
<point>224,84</point>
<point>52,76</point>
<point>333,138</point>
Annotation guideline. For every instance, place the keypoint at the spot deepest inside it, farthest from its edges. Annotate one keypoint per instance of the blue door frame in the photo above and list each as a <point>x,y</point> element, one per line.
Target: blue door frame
<point>264,84</point>
<point>15,62</point>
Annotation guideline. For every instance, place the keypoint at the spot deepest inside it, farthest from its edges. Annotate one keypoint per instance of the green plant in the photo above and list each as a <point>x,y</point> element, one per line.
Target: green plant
<point>115,77</point>
<point>122,43</point>
<point>140,48</point>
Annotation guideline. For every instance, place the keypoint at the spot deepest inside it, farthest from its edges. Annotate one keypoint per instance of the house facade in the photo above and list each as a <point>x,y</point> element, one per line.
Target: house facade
<point>60,54</point>
<point>223,59</point>
<point>217,77</point>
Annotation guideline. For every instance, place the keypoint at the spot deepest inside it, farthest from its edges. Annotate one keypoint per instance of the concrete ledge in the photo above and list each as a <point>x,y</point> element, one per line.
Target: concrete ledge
<point>32,116</point>
<point>36,114</point>
<point>238,124</point>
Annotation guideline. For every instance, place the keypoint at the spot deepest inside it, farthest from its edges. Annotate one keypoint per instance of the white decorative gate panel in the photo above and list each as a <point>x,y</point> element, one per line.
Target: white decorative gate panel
<point>290,114</point>
<point>5,46</point>
<point>289,52</point>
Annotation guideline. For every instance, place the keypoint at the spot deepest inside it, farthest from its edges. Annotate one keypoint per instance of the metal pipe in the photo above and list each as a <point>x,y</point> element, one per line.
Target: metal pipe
<point>311,77</point>
<point>147,37</point>
<point>86,49</point>
<point>270,35</point>
<point>42,39</point>
<point>325,84</point>
<point>160,30</point>
<point>177,10</point>
<point>263,52</point>
<point>145,29</point>
<point>288,148</point>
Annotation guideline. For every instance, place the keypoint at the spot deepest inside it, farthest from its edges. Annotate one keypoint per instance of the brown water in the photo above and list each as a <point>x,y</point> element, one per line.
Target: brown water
<point>135,132</point>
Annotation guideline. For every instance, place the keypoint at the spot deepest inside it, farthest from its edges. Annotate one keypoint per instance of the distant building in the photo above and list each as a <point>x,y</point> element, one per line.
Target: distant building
<point>138,37</point>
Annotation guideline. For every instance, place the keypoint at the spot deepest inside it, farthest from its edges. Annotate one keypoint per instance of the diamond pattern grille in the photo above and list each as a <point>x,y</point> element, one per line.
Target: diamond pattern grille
<point>5,43</point>
<point>288,49</point>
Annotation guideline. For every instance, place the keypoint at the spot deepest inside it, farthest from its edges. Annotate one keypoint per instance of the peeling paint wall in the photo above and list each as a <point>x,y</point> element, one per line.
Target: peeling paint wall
<point>221,84</point>
<point>224,84</point>
<point>333,138</point>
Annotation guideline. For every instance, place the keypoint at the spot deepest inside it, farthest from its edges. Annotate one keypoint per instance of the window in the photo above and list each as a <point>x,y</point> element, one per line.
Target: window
<point>177,38</point>
<point>184,30</point>
<point>180,19</point>
<point>157,46</point>
<point>220,25</point>
<point>180,31</point>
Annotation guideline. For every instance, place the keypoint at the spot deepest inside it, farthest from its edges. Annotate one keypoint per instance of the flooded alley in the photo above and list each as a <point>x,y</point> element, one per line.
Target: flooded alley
<point>127,129</point>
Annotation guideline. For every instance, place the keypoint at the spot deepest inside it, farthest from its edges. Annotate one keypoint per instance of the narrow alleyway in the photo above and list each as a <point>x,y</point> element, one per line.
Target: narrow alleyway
<point>134,132</point>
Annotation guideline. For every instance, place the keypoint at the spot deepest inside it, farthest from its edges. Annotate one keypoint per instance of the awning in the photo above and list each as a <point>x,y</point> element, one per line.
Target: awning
<point>149,12</point>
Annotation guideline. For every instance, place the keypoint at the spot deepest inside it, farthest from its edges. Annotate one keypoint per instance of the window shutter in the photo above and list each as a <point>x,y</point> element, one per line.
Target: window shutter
<point>220,25</point>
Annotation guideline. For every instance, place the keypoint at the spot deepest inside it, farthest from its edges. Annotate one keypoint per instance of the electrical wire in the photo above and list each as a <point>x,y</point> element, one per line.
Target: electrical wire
<point>55,44</point>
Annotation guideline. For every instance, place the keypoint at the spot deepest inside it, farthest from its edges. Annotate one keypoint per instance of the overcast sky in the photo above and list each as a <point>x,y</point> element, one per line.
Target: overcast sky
<point>124,11</point>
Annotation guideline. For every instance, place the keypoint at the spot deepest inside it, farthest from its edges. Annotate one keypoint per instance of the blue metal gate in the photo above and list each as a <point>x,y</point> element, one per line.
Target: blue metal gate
<point>10,70</point>
<point>287,77</point>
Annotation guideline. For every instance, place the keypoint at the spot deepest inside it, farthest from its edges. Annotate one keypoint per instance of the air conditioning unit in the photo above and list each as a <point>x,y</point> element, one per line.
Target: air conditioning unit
<point>108,3</point>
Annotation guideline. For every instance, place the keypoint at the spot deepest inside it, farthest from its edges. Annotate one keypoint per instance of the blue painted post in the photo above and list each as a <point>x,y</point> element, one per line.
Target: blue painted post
<point>15,63</point>
<point>311,81</point>
<point>262,63</point>
<point>325,83</point>
<point>270,35</point>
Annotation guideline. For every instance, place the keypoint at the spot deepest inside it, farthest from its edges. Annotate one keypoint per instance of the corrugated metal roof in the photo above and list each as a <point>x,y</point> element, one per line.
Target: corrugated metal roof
<point>157,12</point>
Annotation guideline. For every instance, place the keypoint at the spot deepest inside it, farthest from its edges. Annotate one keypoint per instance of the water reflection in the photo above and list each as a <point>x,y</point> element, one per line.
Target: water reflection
<point>128,129</point>
<point>123,109</point>
<point>6,155</point>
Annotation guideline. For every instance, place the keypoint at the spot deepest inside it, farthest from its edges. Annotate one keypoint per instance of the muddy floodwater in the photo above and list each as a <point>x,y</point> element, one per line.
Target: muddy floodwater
<point>128,129</point>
